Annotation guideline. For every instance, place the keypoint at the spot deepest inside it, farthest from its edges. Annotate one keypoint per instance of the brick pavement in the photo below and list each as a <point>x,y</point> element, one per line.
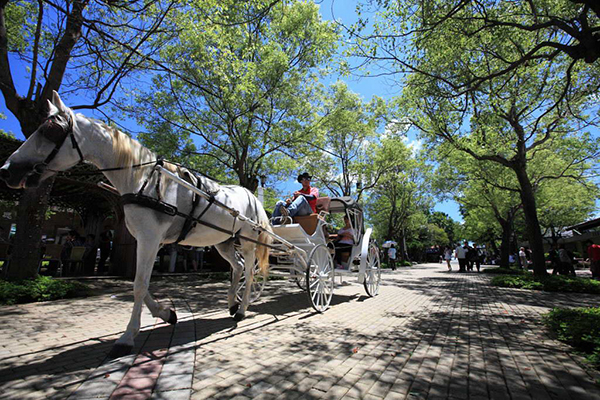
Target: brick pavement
<point>429,334</point>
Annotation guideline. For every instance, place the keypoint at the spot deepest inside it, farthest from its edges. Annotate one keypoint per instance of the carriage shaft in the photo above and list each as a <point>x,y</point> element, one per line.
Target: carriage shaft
<point>234,213</point>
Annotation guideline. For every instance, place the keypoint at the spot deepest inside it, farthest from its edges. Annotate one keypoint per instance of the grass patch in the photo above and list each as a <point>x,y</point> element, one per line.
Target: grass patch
<point>42,288</point>
<point>551,283</point>
<point>504,271</point>
<point>579,327</point>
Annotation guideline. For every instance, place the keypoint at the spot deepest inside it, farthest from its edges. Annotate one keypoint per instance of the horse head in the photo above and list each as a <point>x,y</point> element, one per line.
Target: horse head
<point>45,152</point>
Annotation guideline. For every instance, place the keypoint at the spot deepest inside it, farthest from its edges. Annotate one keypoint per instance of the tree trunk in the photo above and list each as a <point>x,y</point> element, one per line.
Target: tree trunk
<point>31,213</point>
<point>533,229</point>
<point>505,244</point>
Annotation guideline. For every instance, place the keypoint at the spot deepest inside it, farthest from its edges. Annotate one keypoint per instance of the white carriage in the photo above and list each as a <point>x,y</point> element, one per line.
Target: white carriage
<point>303,251</point>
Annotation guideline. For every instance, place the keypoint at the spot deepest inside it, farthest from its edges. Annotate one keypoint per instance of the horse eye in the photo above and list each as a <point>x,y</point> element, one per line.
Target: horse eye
<point>53,131</point>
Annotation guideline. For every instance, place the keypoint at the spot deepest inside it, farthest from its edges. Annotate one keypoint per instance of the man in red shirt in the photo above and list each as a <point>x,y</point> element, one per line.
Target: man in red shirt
<point>593,251</point>
<point>304,201</point>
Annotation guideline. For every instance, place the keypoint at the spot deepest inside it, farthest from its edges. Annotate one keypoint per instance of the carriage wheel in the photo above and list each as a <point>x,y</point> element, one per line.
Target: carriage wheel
<point>373,271</point>
<point>258,284</point>
<point>299,279</point>
<point>319,278</point>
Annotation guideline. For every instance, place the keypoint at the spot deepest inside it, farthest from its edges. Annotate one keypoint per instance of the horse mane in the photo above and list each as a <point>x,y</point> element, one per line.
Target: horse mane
<point>130,152</point>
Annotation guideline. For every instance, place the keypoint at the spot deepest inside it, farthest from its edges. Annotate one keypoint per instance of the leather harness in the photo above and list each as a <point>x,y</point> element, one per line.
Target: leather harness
<point>143,200</point>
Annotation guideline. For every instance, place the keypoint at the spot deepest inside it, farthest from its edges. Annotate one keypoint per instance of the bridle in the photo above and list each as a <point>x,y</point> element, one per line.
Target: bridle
<point>39,168</point>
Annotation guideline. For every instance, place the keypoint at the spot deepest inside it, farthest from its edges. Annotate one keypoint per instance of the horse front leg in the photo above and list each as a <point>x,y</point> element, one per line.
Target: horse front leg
<point>146,253</point>
<point>160,311</point>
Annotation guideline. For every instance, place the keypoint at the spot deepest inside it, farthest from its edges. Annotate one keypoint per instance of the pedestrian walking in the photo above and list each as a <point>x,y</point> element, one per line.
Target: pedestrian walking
<point>448,257</point>
<point>475,254</point>
<point>566,261</point>
<point>523,258</point>
<point>593,251</point>
<point>392,257</point>
<point>461,255</point>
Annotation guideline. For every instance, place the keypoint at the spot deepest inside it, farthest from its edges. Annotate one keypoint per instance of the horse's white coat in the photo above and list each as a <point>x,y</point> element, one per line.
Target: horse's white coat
<point>149,227</point>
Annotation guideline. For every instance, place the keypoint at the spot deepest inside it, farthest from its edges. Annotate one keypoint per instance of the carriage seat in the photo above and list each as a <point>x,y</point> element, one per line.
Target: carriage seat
<point>323,204</point>
<point>309,222</point>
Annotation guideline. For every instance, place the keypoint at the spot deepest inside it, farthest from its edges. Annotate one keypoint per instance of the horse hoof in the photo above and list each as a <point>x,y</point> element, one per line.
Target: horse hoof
<point>233,309</point>
<point>119,350</point>
<point>238,317</point>
<point>172,317</point>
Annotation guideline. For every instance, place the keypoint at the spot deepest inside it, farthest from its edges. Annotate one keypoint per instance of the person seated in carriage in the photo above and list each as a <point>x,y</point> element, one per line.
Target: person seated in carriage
<point>344,242</point>
<point>304,201</point>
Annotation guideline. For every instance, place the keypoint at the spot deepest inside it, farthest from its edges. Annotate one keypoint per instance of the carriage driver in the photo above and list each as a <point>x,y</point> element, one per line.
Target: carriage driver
<point>303,203</point>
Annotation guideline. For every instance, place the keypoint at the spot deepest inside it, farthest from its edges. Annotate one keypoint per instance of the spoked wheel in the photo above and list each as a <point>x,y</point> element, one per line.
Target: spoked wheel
<point>373,271</point>
<point>319,278</point>
<point>299,279</point>
<point>258,284</point>
<point>297,274</point>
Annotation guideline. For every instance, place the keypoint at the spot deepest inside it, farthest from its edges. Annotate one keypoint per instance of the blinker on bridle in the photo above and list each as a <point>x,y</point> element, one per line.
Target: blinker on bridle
<point>39,168</point>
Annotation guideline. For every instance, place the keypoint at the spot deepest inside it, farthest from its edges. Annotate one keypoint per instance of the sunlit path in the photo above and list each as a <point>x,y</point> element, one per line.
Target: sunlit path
<point>428,334</point>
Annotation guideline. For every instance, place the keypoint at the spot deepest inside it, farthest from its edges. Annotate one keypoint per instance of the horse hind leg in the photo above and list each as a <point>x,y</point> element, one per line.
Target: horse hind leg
<point>249,255</point>
<point>227,251</point>
<point>146,253</point>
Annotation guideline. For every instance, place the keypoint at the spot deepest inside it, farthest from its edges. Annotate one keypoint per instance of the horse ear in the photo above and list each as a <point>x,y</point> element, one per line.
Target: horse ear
<point>58,102</point>
<point>52,110</point>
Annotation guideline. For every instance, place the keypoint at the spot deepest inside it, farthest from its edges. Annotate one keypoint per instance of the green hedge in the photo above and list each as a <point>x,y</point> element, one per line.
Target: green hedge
<point>579,327</point>
<point>551,283</point>
<point>42,288</point>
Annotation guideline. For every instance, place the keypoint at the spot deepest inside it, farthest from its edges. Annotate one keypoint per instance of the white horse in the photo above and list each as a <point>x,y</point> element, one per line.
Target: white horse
<point>65,139</point>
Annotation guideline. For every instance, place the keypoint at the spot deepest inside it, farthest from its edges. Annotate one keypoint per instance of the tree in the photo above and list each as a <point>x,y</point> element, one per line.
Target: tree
<point>490,213</point>
<point>445,222</point>
<point>245,90</point>
<point>345,161</point>
<point>394,34</point>
<point>465,90</point>
<point>563,203</point>
<point>397,205</point>
<point>487,194</point>
<point>489,198</point>
<point>86,48</point>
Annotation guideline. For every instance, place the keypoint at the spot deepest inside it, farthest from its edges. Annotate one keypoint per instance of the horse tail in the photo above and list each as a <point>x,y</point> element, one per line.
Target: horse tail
<point>264,239</point>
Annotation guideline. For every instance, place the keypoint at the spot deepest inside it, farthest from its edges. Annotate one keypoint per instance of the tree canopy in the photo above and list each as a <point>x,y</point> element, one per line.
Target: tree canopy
<point>245,89</point>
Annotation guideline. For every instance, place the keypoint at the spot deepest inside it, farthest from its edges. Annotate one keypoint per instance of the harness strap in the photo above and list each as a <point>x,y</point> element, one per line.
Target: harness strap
<point>150,202</point>
<point>159,161</point>
<point>161,206</point>
<point>189,223</point>
<point>76,145</point>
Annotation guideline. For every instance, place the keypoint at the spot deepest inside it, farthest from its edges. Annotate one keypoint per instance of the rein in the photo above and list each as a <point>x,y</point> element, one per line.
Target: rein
<point>99,171</point>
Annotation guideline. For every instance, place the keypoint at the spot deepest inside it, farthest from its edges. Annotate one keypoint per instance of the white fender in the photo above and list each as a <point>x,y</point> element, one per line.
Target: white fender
<point>364,252</point>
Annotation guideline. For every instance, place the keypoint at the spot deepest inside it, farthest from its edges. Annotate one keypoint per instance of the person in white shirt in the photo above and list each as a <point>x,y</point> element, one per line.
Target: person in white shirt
<point>461,255</point>
<point>392,257</point>
<point>523,258</point>
<point>448,257</point>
